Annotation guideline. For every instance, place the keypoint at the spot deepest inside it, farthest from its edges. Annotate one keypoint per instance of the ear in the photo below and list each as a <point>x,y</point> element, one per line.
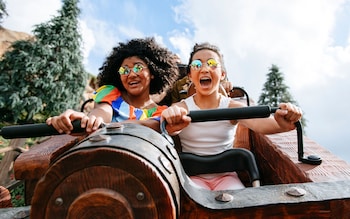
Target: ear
<point>223,76</point>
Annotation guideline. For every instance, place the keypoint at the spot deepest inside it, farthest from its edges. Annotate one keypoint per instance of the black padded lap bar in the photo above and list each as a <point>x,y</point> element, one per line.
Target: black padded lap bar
<point>231,113</point>
<point>34,130</point>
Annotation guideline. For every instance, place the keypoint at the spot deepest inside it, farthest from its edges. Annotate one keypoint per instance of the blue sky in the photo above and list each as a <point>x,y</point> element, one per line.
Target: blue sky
<point>308,40</point>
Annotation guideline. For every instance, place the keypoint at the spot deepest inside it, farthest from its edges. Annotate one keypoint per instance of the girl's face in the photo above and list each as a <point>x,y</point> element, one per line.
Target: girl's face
<point>135,76</point>
<point>206,72</point>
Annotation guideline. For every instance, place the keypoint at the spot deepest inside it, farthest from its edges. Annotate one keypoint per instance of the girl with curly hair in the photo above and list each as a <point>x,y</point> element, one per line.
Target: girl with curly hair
<point>129,76</point>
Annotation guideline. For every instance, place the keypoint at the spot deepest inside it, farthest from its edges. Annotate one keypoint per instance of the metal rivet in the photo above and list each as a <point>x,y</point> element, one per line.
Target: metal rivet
<point>59,201</point>
<point>224,197</point>
<point>98,138</point>
<point>296,192</point>
<point>140,196</point>
<point>114,125</point>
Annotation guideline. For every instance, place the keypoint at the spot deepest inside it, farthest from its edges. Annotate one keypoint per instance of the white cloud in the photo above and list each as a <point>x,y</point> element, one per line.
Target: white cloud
<point>182,42</point>
<point>23,15</point>
<point>88,40</point>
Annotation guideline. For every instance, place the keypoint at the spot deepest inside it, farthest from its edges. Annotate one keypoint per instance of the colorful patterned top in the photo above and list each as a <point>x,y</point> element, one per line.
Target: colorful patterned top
<point>122,110</point>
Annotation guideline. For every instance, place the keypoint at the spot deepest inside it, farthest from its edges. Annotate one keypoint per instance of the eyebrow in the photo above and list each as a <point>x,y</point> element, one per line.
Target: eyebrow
<point>206,60</point>
<point>135,63</point>
<point>139,63</point>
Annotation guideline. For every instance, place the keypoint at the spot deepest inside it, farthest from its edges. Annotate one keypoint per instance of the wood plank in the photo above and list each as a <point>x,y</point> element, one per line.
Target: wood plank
<point>6,164</point>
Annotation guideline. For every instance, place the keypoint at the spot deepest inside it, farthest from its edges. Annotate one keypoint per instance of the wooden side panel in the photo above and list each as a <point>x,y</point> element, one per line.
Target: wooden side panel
<point>31,165</point>
<point>277,158</point>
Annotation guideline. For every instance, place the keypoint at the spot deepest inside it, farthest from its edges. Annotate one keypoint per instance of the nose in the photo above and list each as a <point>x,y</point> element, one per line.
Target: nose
<point>132,73</point>
<point>205,68</point>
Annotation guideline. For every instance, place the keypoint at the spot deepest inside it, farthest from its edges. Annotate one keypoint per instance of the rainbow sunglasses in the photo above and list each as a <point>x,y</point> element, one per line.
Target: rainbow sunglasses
<point>125,70</point>
<point>197,64</point>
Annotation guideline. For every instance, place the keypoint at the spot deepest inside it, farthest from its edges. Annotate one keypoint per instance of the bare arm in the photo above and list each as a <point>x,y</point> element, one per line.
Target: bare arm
<point>283,120</point>
<point>176,117</point>
<point>102,113</point>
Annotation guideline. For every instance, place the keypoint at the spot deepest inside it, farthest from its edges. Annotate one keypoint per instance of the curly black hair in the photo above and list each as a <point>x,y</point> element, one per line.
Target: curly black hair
<point>161,62</point>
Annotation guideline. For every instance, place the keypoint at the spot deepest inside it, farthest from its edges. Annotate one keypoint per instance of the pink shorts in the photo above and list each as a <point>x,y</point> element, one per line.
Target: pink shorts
<point>221,181</point>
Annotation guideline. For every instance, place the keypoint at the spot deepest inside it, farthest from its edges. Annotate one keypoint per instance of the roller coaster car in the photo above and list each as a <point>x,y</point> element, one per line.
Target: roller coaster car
<point>131,171</point>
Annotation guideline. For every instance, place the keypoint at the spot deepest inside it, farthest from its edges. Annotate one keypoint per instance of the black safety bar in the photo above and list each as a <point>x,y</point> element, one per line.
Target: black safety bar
<point>247,113</point>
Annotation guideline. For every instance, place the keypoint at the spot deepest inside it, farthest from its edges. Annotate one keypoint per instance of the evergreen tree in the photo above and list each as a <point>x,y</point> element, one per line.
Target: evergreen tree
<point>275,91</point>
<point>44,76</point>
<point>3,11</point>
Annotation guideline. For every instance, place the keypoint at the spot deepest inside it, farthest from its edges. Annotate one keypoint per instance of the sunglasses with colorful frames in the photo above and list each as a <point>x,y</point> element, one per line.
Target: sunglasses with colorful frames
<point>125,70</point>
<point>197,64</point>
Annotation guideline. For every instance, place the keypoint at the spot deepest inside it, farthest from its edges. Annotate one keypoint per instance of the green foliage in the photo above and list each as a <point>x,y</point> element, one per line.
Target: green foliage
<point>17,196</point>
<point>44,76</point>
<point>3,11</point>
<point>275,91</point>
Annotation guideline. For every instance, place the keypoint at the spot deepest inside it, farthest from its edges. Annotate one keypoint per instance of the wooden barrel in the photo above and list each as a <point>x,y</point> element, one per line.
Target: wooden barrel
<point>123,171</point>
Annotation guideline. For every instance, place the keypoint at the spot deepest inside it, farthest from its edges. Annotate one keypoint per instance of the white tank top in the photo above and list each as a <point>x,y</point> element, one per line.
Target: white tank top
<point>206,138</point>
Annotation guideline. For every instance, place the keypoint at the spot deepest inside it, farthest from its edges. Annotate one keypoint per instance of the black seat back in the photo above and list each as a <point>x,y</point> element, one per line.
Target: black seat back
<point>236,159</point>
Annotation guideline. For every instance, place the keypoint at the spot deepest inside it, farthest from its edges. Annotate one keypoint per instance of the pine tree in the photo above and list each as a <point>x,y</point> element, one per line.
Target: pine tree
<point>3,11</point>
<point>44,76</point>
<point>275,91</point>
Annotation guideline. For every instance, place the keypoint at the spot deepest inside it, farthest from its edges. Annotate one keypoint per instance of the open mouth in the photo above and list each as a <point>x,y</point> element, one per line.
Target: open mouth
<point>205,82</point>
<point>133,83</point>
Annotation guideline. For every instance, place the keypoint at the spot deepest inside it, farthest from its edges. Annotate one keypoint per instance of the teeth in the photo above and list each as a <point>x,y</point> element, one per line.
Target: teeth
<point>205,78</point>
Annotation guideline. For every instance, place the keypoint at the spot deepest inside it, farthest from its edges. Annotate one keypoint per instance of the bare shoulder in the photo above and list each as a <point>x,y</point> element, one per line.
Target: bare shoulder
<point>101,108</point>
